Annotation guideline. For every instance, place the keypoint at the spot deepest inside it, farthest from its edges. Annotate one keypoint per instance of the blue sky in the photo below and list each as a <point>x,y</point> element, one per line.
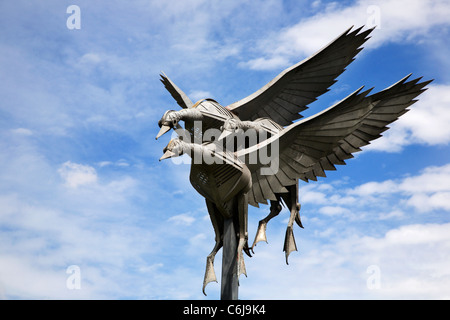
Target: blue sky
<point>80,181</point>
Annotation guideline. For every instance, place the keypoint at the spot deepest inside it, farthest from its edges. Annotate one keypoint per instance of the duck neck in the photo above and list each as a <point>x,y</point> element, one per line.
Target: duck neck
<point>247,125</point>
<point>200,153</point>
<point>188,115</point>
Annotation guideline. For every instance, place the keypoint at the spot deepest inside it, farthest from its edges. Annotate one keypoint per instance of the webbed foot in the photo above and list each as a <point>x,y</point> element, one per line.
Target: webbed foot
<point>241,265</point>
<point>260,233</point>
<point>289,242</point>
<point>210,275</point>
<point>297,216</point>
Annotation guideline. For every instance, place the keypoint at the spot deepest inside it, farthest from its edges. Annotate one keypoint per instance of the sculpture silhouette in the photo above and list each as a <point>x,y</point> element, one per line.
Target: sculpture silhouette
<point>304,149</point>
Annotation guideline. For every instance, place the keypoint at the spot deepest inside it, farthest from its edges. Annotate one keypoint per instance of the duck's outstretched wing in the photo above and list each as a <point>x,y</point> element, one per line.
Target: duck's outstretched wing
<point>289,93</point>
<point>181,98</point>
<point>309,147</point>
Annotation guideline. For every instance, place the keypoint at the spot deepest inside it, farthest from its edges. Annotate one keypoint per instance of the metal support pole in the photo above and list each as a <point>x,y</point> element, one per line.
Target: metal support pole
<point>230,284</point>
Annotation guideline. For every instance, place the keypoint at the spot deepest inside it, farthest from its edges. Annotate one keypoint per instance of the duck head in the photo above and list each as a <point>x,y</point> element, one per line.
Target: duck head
<point>174,148</point>
<point>168,121</point>
<point>230,126</point>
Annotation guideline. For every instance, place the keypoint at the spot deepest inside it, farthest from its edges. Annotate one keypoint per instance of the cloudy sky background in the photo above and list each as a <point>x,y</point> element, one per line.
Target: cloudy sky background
<point>80,181</point>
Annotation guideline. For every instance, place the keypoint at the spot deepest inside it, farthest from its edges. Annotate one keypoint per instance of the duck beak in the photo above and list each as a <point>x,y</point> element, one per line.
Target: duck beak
<point>167,154</point>
<point>225,133</point>
<point>163,130</point>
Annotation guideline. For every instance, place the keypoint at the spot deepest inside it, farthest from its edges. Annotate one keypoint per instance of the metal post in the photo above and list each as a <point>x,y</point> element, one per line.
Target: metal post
<point>229,286</point>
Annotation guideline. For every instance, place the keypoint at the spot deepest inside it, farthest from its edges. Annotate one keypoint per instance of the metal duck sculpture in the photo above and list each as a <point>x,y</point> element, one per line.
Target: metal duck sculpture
<point>224,181</point>
<point>237,175</point>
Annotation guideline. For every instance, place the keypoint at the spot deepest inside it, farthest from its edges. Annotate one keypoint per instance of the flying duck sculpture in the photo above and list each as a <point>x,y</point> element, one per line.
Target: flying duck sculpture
<point>224,181</point>
<point>268,168</point>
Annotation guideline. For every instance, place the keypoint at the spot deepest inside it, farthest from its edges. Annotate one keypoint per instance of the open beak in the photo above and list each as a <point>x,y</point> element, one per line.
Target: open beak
<point>168,154</point>
<point>225,133</point>
<point>163,130</point>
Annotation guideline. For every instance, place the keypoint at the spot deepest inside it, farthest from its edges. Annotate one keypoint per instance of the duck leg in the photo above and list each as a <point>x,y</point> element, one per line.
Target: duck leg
<point>291,200</point>
<point>275,209</point>
<point>242,234</point>
<point>217,222</point>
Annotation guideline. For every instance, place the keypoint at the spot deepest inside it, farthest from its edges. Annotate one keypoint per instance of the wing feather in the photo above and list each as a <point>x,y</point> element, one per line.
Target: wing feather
<point>180,97</point>
<point>301,84</point>
<point>312,146</point>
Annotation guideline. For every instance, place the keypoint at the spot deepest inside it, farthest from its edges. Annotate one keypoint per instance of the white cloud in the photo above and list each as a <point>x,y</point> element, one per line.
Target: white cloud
<point>316,4</point>
<point>374,188</point>
<point>183,219</point>
<point>427,191</point>
<point>22,131</point>
<point>311,196</point>
<point>425,123</point>
<point>265,63</point>
<point>432,179</point>
<point>418,234</point>
<point>119,163</point>
<point>398,21</point>
<point>90,58</point>
<point>117,227</point>
<point>102,164</point>
<point>46,227</point>
<point>412,261</point>
<point>196,95</point>
<point>395,214</point>
<point>428,121</point>
<point>429,202</point>
<point>333,210</point>
<point>76,175</point>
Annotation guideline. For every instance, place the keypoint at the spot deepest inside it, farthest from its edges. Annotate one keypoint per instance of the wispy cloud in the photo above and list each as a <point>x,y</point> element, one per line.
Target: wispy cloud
<point>424,192</point>
<point>80,183</point>
<point>426,123</point>
<point>398,21</point>
<point>410,256</point>
<point>404,259</point>
<point>75,174</point>
<point>184,219</point>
